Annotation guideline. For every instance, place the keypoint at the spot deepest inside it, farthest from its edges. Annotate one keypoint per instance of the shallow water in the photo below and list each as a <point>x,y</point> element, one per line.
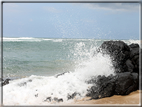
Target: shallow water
<point>35,62</point>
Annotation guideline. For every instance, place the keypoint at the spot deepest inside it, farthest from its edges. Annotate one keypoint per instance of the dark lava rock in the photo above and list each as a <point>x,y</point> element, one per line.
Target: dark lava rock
<point>60,100</point>
<point>129,65</point>
<point>120,84</point>
<point>134,56</point>
<point>73,95</point>
<point>125,59</point>
<point>49,99</point>
<point>104,87</point>
<point>126,83</point>
<point>5,82</point>
<point>134,50</point>
<point>60,74</point>
<point>119,52</point>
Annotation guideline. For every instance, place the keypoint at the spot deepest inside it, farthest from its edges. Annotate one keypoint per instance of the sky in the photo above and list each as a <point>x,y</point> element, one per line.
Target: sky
<point>72,20</point>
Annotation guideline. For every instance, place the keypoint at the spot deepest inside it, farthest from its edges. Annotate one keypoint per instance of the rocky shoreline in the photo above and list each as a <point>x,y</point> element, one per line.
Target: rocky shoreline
<point>126,63</point>
<point>133,99</point>
<point>125,60</point>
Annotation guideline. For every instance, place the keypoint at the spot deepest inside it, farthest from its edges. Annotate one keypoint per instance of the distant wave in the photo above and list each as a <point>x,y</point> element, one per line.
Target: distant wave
<point>32,39</point>
<point>35,89</point>
<point>54,40</point>
<point>29,39</point>
<point>21,39</point>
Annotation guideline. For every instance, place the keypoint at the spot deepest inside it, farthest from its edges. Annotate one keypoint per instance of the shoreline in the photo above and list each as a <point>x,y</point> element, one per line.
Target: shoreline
<point>134,98</point>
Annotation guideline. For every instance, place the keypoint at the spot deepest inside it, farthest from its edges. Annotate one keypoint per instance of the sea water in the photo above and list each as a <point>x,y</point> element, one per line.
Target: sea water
<point>34,63</point>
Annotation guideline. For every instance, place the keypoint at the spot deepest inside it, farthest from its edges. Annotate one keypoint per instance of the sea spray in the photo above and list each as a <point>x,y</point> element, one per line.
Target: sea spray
<point>34,90</point>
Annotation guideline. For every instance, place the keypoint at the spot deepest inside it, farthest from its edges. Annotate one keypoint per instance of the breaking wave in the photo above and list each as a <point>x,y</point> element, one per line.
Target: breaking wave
<point>44,90</point>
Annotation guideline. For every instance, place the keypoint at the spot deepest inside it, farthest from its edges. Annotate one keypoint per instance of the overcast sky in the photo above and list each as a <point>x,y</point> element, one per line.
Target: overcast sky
<point>72,20</point>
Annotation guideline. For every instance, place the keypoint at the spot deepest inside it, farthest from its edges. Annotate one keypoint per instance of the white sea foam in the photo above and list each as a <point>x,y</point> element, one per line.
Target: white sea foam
<point>30,39</point>
<point>21,39</point>
<point>42,39</point>
<point>34,90</point>
<point>132,41</point>
<point>57,40</point>
<point>23,91</point>
<point>47,39</point>
<point>53,40</point>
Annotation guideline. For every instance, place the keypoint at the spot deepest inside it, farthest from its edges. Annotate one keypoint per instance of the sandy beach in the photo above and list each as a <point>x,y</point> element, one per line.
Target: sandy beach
<point>131,99</point>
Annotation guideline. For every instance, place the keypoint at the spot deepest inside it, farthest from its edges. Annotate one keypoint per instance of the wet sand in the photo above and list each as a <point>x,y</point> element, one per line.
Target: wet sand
<point>132,98</point>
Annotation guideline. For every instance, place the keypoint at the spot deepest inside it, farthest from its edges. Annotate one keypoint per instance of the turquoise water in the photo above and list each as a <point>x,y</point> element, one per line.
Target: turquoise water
<point>40,56</point>
<point>34,62</point>
<point>45,57</point>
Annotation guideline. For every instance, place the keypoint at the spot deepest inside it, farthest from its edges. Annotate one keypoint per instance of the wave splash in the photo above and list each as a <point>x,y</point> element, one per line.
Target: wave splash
<point>42,90</point>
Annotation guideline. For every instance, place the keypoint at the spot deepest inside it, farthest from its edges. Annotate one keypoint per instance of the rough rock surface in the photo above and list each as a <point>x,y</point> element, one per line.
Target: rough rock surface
<point>125,57</point>
<point>5,82</point>
<point>120,84</point>
<point>119,52</point>
<point>125,60</point>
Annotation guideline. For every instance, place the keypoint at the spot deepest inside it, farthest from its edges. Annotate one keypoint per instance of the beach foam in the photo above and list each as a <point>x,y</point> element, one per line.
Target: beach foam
<point>34,90</point>
<point>29,39</point>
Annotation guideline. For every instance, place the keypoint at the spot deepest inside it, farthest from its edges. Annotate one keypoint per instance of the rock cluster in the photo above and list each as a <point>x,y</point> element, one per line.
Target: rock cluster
<point>125,60</point>
<point>4,81</point>
<point>125,57</point>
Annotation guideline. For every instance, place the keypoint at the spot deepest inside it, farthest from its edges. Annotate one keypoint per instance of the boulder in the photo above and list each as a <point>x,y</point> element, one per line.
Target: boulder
<point>129,65</point>
<point>126,83</point>
<point>119,52</point>
<point>134,50</point>
<point>119,84</point>
<point>5,82</point>
<point>125,59</point>
<point>134,56</point>
<point>72,95</point>
<point>104,87</point>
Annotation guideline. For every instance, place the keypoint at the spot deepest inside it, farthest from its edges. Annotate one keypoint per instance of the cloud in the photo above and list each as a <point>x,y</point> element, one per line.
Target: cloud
<point>51,9</point>
<point>114,6</point>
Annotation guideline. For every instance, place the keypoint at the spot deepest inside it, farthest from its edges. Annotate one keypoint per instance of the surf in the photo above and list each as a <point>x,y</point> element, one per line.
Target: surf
<point>42,90</point>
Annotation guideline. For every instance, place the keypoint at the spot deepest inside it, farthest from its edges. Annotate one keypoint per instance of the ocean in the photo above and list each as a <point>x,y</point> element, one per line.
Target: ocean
<point>34,63</point>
